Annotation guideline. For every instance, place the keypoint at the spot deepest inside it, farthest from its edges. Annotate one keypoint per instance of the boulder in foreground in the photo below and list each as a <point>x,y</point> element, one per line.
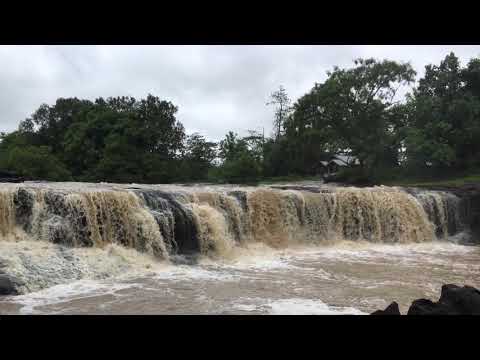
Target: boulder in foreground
<point>454,300</point>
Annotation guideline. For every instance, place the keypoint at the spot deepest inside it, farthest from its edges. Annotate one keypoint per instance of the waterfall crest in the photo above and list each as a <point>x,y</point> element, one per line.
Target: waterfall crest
<point>162,222</point>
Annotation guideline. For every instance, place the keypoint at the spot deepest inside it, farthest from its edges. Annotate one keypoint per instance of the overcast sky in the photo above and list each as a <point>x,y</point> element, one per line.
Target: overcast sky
<point>217,88</point>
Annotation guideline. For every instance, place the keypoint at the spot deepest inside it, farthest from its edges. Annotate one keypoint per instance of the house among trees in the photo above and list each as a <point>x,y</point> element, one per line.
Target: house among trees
<point>337,162</point>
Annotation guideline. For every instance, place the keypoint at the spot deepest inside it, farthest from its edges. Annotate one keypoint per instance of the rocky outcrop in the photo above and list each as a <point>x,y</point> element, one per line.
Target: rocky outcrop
<point>454,300</point>
<point>391,309</point>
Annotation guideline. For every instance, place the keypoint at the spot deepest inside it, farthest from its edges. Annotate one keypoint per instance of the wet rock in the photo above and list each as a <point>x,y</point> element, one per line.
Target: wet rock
<point>8,285</point>
<point>465,300</point>
<point>470,206</point>
<point>428,307</point>
<point>454,300</point>
<point>185,238</point>
<point>391,309</point>
<point>23,201</point>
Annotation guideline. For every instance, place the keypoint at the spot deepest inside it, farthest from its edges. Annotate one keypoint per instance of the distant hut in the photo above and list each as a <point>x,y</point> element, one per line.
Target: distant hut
<point>337,162</point>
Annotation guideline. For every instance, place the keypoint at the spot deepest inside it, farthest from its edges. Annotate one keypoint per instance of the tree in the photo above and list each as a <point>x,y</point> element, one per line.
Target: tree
<point>29,161</point>
<point>281,102</point>
<point>355,111</point>
<point>444,124</point>
<point>198,157</point>
<point>231,147</point>
<point>117,139</point>
<point>255,143</point>
<point>471,77</point>
<point>241,162</point>
<point>244,168</point>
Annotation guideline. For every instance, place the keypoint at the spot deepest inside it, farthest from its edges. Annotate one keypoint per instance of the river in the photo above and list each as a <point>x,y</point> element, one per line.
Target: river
<point>257,251</point>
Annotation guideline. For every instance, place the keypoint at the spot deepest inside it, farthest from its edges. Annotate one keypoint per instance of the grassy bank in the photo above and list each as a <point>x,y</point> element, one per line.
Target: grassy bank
<point>292,178</point>
<point>449,182</point>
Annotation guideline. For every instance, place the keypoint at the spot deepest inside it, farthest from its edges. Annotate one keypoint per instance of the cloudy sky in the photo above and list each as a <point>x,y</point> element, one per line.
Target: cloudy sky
<point>217,88</point>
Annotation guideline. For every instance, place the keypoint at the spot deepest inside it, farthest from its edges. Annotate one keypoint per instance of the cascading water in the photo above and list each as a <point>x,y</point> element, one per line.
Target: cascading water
<point>165,221</point>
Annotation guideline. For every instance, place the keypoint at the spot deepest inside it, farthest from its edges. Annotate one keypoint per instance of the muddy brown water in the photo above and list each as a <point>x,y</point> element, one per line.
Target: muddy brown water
<point>348,278</point>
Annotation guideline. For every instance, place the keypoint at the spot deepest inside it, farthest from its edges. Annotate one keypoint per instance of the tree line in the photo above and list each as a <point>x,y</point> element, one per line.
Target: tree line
<point>434,129</point>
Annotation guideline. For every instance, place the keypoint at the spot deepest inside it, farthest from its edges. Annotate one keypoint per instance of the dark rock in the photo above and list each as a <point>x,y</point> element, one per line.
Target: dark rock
<point>391,309</point>
<point>24,201</point>
<point>454,300</point>
<point>185,239</point>
<point>8,285</point>
<point>465,300</point>
<point>428,307</point>
<point>469,195</point>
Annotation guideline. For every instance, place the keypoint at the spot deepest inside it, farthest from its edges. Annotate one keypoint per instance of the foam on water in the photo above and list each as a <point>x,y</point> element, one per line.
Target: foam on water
<point>308,307</point>
<point>294,306</point>
<point>193,273</point>
<point>62,293</point>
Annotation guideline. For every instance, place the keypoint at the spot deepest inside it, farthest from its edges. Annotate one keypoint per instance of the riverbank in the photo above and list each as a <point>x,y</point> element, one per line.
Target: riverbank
<point>453,182</point>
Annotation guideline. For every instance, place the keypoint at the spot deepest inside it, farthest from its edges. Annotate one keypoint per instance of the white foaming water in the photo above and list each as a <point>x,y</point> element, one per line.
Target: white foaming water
<point>192,273</point>
<point>349,279</point>
<point>294,306</point>
<point>58,294</point>
<point>308,307</point>
<point>364,251</point>
<point>40,265</point>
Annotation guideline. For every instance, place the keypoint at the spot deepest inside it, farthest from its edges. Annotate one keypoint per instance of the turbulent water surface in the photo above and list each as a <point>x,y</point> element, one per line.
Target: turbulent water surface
<point>137,249</point>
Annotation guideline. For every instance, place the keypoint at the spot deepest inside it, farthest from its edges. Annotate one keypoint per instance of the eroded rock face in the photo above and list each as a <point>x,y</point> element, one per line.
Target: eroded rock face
<point>469,195</point>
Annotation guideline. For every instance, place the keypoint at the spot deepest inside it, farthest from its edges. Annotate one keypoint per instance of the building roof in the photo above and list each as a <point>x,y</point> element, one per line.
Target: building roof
<point>344,160</point>
<point>338,162</point>
<point>341,160</point>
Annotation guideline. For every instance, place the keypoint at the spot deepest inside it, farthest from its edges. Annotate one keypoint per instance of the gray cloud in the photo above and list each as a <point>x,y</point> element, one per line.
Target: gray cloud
<point>217,88</point>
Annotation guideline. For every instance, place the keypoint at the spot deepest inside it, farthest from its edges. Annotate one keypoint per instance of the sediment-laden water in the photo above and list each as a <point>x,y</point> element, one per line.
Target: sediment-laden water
<point>105,248</point>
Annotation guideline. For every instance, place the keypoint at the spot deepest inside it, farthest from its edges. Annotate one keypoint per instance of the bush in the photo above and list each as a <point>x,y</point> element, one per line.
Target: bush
<point>244,169</point>
<point>36,163</point>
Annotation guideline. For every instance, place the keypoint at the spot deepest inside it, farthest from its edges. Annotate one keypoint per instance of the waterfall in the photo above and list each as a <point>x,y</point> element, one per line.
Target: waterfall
<point>7,212</point>
<point>164,222</point>
<point>161,222</point>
